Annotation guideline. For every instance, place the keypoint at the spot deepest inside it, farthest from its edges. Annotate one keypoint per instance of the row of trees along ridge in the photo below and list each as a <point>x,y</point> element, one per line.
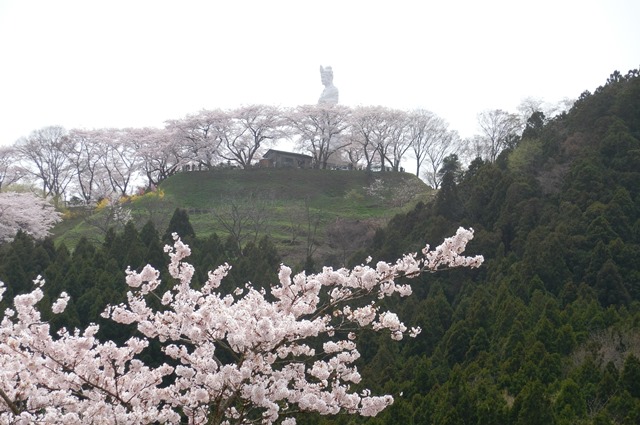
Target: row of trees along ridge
<point>87,165</point>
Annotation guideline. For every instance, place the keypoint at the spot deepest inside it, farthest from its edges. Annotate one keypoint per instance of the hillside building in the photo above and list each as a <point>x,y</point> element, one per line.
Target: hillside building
<point>282,159</point>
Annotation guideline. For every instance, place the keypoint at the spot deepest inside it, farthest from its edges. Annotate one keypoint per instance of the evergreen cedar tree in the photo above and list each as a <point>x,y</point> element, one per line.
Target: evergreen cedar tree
<point>544,332</point>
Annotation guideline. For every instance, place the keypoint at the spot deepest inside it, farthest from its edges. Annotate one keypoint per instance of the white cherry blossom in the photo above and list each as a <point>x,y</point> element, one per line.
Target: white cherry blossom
<point>244,357</point>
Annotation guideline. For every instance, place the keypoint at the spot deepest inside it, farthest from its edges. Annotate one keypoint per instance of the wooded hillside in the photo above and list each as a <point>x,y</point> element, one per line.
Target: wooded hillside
<point>547,331</point>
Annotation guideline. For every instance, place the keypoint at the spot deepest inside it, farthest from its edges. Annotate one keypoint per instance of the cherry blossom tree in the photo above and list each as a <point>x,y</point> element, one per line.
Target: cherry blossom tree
<point>45,153</point>
<point>86,154</point>
<point>247,130</point>
<point>422,127</point>
<point>320,130</point>
<point>431,141</point>
<point>159,154</point>
<point>354,153</point>
<point>363,125</point>
<point>120,158</point>
<point>198,134</point>
<point>396,143</point>
<point>498,129</point>
<point>380,131</point>
<point>9,172</point>
<point>27,212</point>
<point>254,356</point>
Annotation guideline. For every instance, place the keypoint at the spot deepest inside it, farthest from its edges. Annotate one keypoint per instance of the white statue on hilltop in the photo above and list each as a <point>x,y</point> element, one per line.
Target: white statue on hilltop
<point>330,93</point>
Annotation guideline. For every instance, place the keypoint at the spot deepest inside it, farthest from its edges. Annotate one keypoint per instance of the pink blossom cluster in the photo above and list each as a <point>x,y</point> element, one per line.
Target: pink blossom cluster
<point>254,356</point>
<point>27,212</point>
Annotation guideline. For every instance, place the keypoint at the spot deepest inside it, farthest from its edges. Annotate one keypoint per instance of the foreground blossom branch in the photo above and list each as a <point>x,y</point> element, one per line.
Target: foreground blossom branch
<point>254,356</point>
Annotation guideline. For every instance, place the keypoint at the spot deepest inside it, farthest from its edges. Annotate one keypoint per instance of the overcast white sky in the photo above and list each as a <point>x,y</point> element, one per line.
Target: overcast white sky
<point>92,64</point>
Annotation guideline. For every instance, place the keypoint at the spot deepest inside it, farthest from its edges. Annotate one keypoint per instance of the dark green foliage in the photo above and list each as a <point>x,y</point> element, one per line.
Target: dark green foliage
<point>532,406</point>
<point>21,261</point>
<point>534,127</point>
<point>179,224</point>
<point>154,252</point>
<point>448,202</point>
<point>558,222</point>
<point>570,403</point>
<point>610,286</point>
<point>257,264</point>
<point>631,376</point>
<point>149,233</point>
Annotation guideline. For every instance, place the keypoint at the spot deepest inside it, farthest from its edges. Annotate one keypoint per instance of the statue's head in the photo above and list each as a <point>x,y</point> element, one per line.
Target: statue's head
<point>326,75</point>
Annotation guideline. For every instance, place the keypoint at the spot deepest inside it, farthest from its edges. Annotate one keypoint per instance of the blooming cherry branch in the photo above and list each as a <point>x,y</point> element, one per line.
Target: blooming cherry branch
<point>252,356</point>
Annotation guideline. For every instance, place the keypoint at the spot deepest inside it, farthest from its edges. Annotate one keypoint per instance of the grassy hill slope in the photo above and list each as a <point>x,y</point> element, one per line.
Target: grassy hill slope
<point>295,207</point>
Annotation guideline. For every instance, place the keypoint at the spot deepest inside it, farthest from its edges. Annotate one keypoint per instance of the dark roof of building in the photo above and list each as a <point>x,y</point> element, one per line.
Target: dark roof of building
<point>273,152</point>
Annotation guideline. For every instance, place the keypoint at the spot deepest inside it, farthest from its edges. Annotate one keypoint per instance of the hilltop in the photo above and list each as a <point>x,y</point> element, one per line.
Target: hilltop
<point>304,211</point>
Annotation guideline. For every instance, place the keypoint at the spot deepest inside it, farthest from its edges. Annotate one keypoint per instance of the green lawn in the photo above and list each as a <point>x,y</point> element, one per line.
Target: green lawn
<point>278,202</point>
